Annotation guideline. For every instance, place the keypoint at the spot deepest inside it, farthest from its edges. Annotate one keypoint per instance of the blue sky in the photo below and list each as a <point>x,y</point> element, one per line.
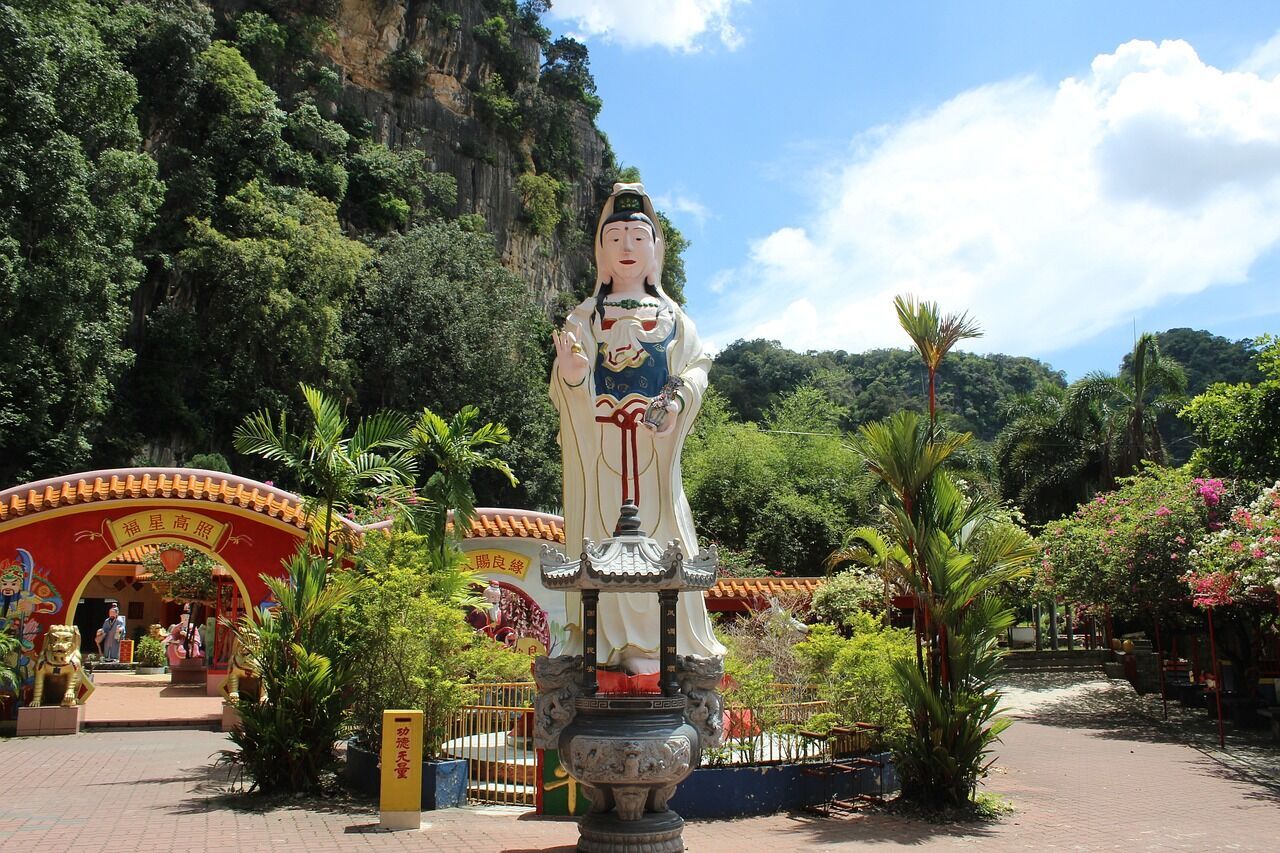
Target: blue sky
<point>1066,172</point>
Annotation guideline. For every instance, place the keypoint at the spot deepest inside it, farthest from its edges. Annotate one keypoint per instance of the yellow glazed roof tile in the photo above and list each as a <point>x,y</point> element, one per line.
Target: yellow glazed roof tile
<point>756,588</point>
<point>516,523</point>
<point>98,486</point>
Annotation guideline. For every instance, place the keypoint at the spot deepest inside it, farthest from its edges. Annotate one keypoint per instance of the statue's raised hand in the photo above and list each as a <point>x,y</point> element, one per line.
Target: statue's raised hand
<point>570,358</point>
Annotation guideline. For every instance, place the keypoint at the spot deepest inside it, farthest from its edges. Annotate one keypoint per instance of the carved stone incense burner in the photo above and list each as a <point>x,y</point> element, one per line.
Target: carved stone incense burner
<point>629,752</point>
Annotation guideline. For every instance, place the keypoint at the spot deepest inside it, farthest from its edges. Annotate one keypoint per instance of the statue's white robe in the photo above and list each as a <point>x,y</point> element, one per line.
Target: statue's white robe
<point>628,622</point>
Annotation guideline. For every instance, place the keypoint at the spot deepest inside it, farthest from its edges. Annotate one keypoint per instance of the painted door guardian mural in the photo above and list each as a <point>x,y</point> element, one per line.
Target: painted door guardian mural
<point>511,617</point>
<point>26,595</point>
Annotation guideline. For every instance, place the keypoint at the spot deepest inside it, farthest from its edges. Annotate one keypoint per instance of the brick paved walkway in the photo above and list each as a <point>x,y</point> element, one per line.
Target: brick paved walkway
<point>121,698</point>
<point>1084,768</point>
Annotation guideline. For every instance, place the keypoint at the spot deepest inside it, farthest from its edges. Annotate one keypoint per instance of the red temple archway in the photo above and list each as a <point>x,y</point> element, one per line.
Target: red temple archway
<point>57,534</point>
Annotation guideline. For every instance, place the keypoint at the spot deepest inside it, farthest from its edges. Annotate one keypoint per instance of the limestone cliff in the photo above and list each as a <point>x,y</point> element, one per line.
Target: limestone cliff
<point>439,114</point>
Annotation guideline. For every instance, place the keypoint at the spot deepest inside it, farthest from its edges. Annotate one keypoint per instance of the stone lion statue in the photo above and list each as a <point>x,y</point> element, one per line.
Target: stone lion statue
<point>58,666</point>
<point>241,669</point>
<point>559,684</point>
<point>699,679</point>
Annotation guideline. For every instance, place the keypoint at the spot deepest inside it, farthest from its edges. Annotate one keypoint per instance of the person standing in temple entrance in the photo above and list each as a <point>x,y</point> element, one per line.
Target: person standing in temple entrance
<point>109,635</point>
<point>626,352</point>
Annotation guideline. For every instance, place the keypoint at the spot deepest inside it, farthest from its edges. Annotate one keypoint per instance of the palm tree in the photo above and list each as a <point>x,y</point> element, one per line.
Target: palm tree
<point>933,335</point>
<point>1049,461</point>
<point>864,546</point>
<point>905,458</point>
<point>299,652</point>
<point>338,467</point>
<point>10,649</point>
<point>1129,404</point>
<point>958,554</point>
<point>458,449</point>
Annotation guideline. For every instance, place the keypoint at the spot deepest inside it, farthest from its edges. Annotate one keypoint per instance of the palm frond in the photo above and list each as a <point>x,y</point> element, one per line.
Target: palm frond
<point>382,430</point>
<point>328,422</point>
<point>257,435</point>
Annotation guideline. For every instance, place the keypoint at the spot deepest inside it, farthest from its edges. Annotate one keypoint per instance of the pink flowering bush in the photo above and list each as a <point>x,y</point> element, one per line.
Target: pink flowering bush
<point>1131,549</point>
<point>1214,589</point>
<point>1245,549</point>
<point>1210,489</point>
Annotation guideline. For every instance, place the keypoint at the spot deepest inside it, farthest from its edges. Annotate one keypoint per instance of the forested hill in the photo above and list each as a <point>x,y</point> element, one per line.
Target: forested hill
<point>755,375</point>
<point>204,203</point>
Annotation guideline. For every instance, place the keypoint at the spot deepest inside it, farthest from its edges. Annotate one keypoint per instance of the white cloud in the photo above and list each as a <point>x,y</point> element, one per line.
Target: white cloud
<point>682,25</point>
<point>1050,213</point>
<point>677,205</point>
<point>1265,58</point>
<point>721,280</point>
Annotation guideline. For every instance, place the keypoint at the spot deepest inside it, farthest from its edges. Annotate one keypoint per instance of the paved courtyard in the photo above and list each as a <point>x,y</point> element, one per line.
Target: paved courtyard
<point>1085,767</point>
<point>124,698</point>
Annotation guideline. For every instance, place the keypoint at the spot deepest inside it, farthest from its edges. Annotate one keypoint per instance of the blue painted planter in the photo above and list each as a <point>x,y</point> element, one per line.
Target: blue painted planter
<point>444,783</point>
<point>727,792</point>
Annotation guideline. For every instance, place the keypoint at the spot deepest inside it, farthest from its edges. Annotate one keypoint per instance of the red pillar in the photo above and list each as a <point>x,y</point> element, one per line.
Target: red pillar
<point>1217,680</point>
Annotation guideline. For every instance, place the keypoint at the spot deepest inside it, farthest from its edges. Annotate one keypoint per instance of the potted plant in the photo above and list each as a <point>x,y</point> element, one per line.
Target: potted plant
<point>149,656</point>
<point>409,640</point>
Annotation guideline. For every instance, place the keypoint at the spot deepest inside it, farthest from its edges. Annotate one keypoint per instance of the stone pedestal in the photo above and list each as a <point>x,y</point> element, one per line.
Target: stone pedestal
<point>190,671</point>
<point>652,833</point>
<point>230,717</point>
<point>630,753</point>
<point>213,679</point>
<point>50,720</point>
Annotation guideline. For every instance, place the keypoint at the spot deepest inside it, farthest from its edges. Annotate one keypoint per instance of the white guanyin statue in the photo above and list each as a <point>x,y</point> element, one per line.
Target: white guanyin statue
<point>617,351</point>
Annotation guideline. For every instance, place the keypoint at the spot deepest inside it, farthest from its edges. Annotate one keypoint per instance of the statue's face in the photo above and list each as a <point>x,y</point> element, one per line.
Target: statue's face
<point>628,251</point>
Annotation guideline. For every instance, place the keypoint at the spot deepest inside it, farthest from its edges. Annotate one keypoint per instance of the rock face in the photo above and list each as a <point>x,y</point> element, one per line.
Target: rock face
<point>440,118</point>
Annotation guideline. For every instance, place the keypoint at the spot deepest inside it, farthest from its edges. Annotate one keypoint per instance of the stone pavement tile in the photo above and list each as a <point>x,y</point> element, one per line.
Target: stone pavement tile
<point>1083,768</point>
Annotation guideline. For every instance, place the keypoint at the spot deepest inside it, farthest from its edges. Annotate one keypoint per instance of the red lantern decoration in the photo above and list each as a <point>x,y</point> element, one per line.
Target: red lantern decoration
<point>171,558</point>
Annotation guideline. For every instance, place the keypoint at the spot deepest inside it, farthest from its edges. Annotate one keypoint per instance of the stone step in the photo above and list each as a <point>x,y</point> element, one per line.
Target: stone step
<point>208,723</point>
<point>1049,657</point>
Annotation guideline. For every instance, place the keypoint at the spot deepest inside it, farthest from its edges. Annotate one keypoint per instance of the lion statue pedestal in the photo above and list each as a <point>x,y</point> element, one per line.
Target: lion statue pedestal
<point>61,687</point>
<point>242,682</point>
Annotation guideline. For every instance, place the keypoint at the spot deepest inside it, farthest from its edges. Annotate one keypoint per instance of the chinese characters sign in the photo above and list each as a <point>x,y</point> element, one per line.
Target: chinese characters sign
<point>179,524</point>
<point>401,762</point>
<point>560,793</point>
<point>490,561</point>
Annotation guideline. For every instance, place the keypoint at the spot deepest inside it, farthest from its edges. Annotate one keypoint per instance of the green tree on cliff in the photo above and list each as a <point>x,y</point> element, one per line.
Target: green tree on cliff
<point>76,193</point>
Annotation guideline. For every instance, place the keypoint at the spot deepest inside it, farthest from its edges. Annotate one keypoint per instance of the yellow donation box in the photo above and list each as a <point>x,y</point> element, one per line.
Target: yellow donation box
<point>400,806</point>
